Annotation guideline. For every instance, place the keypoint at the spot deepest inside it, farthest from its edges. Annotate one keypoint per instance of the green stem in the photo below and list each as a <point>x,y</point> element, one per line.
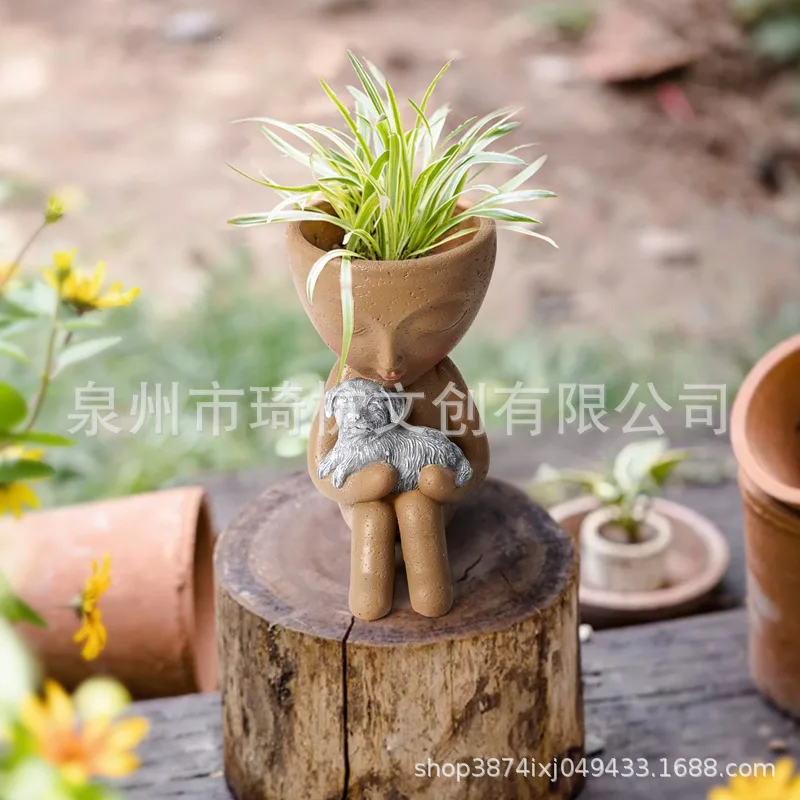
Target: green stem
<point>21,254</point>
<point>47,370</point>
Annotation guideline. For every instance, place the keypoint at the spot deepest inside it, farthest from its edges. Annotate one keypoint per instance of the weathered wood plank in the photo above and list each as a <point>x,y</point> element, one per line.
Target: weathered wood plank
<point>673,690</point>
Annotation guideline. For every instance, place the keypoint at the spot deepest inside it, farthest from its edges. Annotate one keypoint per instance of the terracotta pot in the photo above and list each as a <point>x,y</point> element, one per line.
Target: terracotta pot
<point>408,314</point>
<point>772,532</point>
<point>765,423</point>
<point>159,610</point>
<point>623,566</point>
<point>695,563</point>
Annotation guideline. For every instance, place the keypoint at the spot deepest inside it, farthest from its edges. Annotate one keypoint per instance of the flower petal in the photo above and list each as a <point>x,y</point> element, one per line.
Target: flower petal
<point>59,706</point>
<point>33,715</point>
<point>128,733</point>
<point>115,765</point>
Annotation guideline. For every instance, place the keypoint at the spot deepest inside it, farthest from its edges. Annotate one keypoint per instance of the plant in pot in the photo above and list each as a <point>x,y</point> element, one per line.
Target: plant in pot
<point>386,207</point>
<point>625,540</point>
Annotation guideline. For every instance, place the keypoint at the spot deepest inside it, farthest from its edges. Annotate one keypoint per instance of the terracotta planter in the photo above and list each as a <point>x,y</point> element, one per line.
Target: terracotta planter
<point>622,566</point>
<point>765,423</point>
<point>159,611</point>
<point>409,315</point>
<point>695,563</point>
<point>772,532</point>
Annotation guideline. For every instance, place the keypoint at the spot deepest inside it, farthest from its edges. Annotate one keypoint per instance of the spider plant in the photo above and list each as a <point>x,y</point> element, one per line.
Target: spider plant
<point>395,192</point>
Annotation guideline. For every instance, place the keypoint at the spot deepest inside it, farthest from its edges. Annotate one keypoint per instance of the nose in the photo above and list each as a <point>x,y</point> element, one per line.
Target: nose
<point>390,359</point>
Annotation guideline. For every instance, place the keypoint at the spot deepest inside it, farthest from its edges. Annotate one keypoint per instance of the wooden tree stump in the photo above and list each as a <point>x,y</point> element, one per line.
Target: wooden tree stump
<point>321,706</point>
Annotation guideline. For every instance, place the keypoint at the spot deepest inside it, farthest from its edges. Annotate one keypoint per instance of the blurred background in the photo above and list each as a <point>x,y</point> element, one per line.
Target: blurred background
<point>673,136</point>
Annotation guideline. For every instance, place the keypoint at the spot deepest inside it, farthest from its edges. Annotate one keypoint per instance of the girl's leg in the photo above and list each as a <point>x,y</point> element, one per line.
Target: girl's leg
<point>373,531</point>
<point>424,546</point>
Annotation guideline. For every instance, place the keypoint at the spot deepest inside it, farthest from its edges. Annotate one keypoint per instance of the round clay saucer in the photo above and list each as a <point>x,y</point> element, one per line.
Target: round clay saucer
<point>697,562</point>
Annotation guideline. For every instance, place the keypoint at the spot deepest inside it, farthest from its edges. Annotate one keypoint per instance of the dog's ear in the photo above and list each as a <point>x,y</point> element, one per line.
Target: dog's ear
<point>330,401</point>
<point>397,406</point>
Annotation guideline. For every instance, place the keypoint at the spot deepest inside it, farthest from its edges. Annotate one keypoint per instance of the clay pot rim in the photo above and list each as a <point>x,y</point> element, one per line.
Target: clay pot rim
<point>772,511</point>
<point>739,413</point>
<point>486,229</point>
<point>669,596</point>
<point>200,599</point>
<point>591,535</point>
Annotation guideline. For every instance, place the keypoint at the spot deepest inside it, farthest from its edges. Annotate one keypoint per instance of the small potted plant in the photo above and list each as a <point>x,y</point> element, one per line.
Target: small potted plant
<point>392,243</point>
<point>625,539</point>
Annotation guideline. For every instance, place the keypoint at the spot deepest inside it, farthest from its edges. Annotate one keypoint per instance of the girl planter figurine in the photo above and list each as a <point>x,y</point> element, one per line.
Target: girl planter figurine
<point>386,205</point>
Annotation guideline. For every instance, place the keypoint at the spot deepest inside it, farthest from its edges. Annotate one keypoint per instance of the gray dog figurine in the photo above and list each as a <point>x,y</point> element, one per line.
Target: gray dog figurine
<point>371,430</point>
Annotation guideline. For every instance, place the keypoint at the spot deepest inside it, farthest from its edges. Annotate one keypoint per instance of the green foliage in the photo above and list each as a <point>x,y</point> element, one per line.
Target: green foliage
<point>14,609</point>
<point>396,193</point>
<point>570,18</point>
<point>774,27</point>
<point>639,472</point>
<point>13,408</point>
<point>778,38</point>
<point>233,333</point>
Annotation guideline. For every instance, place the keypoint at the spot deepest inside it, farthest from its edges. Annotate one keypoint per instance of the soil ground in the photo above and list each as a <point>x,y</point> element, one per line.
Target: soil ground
<point>661,218</point>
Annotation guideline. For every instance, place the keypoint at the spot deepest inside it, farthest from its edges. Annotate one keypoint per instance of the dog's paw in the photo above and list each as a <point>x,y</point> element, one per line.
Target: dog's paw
<point>338,478</point>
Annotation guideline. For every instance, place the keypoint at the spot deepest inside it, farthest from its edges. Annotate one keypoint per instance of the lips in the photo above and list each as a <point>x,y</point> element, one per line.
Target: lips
<point>392,377</point>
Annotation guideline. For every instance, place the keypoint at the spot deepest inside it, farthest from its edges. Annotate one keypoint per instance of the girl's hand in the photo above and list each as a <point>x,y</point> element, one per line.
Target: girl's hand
<point>439,484</point>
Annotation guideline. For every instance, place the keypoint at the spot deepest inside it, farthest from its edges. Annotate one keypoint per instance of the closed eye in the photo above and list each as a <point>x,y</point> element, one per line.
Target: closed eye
<point>457,322</point>
<point>436,320</point>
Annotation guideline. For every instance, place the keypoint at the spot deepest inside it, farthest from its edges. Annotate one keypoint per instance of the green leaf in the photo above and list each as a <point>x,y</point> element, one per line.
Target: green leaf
<point>14,310</point>
<point>17,610</point>
<point>661,470</point>
<point>319,265</point>
<point>13,351</point>
<point>634,461</point>
<point>83,350</point>
<point>86,323</point>
<point>14,609</point>
<point>11,327</point>
<point>37,437</point>
<point>13,408</point>
<point>36,300</point>
<point>348,320</point>
<point>24,469</point>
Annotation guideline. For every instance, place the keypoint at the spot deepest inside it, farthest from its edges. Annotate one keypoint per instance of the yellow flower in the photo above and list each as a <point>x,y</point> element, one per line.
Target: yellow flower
<point>783,784</point>
<point>57,275</point>
<point>83,292</point>
<point>15,496</point>
<point>54,210</point>
<point>81,749</point>
<point>92,630</point>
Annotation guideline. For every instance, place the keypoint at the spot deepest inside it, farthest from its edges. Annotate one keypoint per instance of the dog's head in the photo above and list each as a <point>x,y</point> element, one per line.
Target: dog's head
<point>362,406</point>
